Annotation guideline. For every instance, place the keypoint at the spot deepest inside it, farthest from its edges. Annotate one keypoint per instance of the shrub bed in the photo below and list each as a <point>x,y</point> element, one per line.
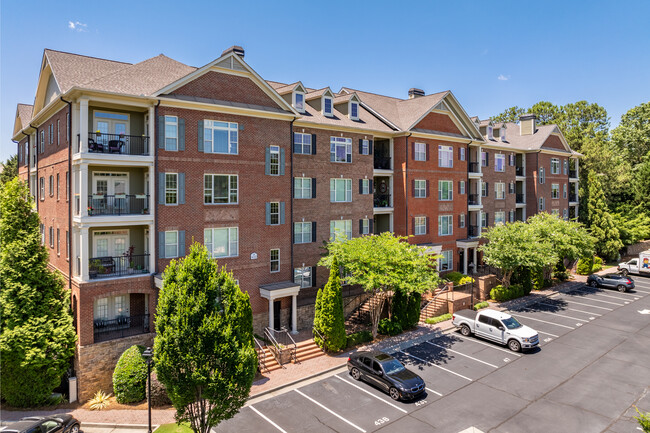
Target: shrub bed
<point>389,327</point>
<point>130,376</point>
<point>480,305</point>
<point>501,294</point>
<point>358,338</point>
<point>438,319</point>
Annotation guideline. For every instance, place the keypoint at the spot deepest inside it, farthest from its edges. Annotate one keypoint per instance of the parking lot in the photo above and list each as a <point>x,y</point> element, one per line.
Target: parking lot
<point>591,367</point>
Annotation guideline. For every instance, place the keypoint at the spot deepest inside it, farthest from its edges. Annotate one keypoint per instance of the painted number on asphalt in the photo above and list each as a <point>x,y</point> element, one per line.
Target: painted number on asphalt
<point>546,340</point>
<point>420,403</point>
<point>578,324</point>
<point>381,421</point>
<point>506,359</point>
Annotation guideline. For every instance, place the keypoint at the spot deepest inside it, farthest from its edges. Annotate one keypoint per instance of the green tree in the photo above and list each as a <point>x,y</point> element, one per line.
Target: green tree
<point>203,350</point>
<point>511,114</point>
<point>546,113</point>
<point>38,338</point>
<point>9,169</point>
<point>381,264</point>
<point>641,184</point>
<point>601,223</point>
<point>632,135</point>
<point>329,319</point>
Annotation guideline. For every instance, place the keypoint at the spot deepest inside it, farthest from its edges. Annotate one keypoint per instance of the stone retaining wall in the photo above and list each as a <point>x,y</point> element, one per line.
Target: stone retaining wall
<point>635,249</point>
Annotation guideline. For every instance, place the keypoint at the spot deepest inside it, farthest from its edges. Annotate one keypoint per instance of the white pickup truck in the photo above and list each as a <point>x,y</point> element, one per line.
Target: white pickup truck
<point>638,265</point>
<point>496,326</point>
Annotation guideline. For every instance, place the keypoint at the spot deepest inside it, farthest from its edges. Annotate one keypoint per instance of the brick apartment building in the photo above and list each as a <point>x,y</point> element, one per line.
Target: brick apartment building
<point>128,163</point>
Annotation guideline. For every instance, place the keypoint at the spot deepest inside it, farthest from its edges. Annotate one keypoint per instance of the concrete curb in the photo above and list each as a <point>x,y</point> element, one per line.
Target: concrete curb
<point>114,425</point>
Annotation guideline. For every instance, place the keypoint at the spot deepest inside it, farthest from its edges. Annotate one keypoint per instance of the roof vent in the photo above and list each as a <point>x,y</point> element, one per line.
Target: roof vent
<point>415,93</point>
<point>234,49</point>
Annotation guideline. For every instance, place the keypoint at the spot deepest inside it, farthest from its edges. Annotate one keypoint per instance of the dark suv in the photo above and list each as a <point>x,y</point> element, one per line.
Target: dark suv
<point>612,281</point>
<point>61,423</point>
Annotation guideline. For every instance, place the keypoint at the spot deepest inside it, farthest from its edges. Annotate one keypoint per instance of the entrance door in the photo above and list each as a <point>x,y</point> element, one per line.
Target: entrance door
<point>109,192</point>
<point>110,126</point>
<point>277,307</point>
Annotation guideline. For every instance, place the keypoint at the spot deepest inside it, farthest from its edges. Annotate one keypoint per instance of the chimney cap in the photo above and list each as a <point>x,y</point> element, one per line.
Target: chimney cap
<point>527,116</point>
<point>414,92</point>
<point>234,49</point>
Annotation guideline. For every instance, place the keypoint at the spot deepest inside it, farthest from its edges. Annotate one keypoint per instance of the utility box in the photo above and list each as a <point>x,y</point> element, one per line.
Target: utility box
<point>72,389</point>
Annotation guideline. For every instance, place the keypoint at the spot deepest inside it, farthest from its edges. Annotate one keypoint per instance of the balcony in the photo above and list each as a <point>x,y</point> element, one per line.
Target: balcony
<point>473,199</point>
<point>573,174</point>
<point>382,162</point>
<point>573,198</point>
<point>520,171</point>
<point>124,326</point>
<point>473,231</point>
<point>521,199</point>
<point>118,204</point>
<point>473,167</point>
<point>382,200</point>
<point>118,266</point>
<point>117,144</point>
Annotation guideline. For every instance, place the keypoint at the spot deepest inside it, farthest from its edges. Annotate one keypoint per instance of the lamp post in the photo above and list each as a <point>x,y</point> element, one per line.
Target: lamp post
<point>148,356</point>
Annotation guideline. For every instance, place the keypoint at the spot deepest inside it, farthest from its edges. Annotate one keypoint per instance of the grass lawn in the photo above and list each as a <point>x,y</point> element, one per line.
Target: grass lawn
<point>174,428</point>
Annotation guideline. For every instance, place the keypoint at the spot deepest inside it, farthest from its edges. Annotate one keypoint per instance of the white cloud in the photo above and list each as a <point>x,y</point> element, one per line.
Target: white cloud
<point>502,77</point>
<point>76,25</point>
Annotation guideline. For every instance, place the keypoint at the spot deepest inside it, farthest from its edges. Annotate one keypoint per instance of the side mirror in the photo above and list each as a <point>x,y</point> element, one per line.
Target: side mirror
<point>379,373</point>
<point>501,328</point>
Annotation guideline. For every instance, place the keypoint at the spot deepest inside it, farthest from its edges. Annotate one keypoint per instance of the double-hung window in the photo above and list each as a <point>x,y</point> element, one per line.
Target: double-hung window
<point>327,106</point>
<point>555,166</point>
<point>171,244</point>
<point>511,188</point>
<point>420,188</point>
<point>354,111</point>
<point>302,187</point>
<point>511,158</point>
<point>340,149</point>
<point>220,189</point>
<point>484,219</point>
<point>541,203</point>
<point>171,133</point>
<point>485,159</point>
<point>51,185</point>
<point>275,160</point>
<point>555,212</point>
<point>565,214</point>
<point>511,214</point>
<point>275,213</point>
<point>220,137</point>
<point>461,220</point>
<point>446,262</point>
<point>555,190</point>
<point>365,186</point>
<point>461,187</point>
<point>461,154</point>
<point>340,190</point>
<point>364,226</point>
<point>302,143</point>
<point>445,225</point>
<point>420,226</point>
<point>275,260</point>
<point>302,276</point>
<point>499,217</point>
<point>484,189</point>
<point>341,228</point>
<point>58,132</point>
<point>171,189</point>
<point>365,147</point>
<point>302,232</point>
<point>42,143</point>
<point>51,237</point>
<point>500,190</point>
<point>420,152</point>
<point>542,176</point>
<point>566,166</point>
<point>564,191</point>
<point>445,190</point>
<point>299,101</point>
<point>445,156</point>
<point>499,162</point>
<point>222,242</point>
<point>41,182</point>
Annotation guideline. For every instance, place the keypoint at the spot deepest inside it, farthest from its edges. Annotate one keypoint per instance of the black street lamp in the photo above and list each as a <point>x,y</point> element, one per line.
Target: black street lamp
<point>148,356</point>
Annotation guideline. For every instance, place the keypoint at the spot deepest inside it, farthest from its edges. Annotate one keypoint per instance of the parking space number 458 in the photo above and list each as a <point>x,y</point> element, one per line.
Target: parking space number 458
<point>381,421</point>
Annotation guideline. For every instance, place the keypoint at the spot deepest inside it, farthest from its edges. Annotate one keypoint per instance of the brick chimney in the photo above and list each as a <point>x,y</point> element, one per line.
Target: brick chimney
<point>527,124</point>
<point>415,93</point>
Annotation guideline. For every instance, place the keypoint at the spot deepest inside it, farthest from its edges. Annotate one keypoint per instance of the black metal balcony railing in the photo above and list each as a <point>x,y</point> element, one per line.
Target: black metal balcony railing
<point>521,199</point>
<point>473,167</point>
<point>106,267</point>
<point>573,197</point>
<point>573,174</point>
<point>123,326</point>
<point>117,144</point>
<point>473,199</point>
<point>520,171</point>
<point>382,162</point>
<point>472,231</point>
<point>118,204</point>
<point>382,200</point>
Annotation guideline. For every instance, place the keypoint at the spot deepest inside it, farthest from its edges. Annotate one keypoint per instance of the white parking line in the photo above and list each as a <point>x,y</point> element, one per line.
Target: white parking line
<point>370,394</point>
<point>639,291</point>
<point>476,340</point>
<point>588,305</point>
<point>434,365</point>
<point>544,321</point>
<point>435,392</point>
<point>330,411</point>
<point>557,314</point>
<point>600,300</point>
<point>462,354</point>
<point>268,420</point>
<point>601,293</point>
<point>570,309</point>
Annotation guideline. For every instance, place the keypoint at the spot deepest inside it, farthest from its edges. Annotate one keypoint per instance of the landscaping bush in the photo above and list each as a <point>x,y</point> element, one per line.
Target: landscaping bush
<point>481,305</point>
<point>598,264</point>
<point>398,308</point>
<point>537,278</point>
<point>560,272</point>
<point>413,311</point>
<point>159,395</point>
<point>585,265</point>
<point>454,277</point>
<point>358,338</point>
<point>328,317</point>
<point>130,376</point>
<point>501,294</point>
<point>465,280</point>
<point>438,319</point>
<point>389,327</point>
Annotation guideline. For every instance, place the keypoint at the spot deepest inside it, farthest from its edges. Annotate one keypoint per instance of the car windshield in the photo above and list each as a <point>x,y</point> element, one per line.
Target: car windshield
<point>511,323</point>
<point>393,366</point>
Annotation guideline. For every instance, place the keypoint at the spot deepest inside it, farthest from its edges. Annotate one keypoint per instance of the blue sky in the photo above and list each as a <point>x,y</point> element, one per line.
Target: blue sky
<point>492,55</point>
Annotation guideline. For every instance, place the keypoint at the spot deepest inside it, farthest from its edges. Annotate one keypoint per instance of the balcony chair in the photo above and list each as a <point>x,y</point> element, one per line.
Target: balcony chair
<point>115,146</point>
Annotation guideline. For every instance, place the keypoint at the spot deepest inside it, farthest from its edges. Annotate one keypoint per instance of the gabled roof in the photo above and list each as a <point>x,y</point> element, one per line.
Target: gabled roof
<point>71,70</point>
<point>319,93</point>
<point>288,88</point>
<point>24,113</point>
<point>535,141</point>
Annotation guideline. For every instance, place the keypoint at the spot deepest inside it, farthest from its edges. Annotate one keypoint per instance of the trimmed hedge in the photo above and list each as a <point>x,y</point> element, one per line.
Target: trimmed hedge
<point>454,277</point>
<point>481,305</point>
<point>501,294</point>
<point>598,264</point>
<point>589,265</point>
<point>438,319</point>
<point>358,338</point>
<point>465,280</point>
<point>130,376</point>
<point>389,327</point>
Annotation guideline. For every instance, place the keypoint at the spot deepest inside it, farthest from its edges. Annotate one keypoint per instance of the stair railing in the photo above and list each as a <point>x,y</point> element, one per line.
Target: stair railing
<point>262,358</point>
<point>275,348</point>
<point>282,338</point>
<point>432,301</point>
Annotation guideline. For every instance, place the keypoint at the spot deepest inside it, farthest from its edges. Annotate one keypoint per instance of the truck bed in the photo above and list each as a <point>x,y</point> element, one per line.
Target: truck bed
<point>467,314</point>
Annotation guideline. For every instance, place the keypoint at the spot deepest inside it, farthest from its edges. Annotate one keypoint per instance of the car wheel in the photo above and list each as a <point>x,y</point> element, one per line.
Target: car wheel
<point>465,331</point>
<point>394,393</point>
<point>621,288</point>
<point>514,345</point>
<point>624,272</point>
<point>356,375</point>
<point>593,283</point>
<point>74,428</point>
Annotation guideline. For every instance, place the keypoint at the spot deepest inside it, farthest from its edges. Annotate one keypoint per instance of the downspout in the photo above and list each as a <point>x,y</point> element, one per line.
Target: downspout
<point>69,193</point>
<point>406,187</point>
<point>292,191</point>
<point>468,190</point>
<point>38,183</point>
<point>152,146</point>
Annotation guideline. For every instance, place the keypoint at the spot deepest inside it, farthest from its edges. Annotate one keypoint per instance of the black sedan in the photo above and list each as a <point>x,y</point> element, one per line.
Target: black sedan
<point>386,373</point>
<point>612,281</point>
<point>61,423</point>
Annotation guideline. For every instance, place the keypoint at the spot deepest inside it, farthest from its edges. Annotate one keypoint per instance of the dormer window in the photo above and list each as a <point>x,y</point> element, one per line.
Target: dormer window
<point>327,106</point>
<point>299,101</point>
<point>490,133</point>
<point>503,133</point>
<point>354,110</point>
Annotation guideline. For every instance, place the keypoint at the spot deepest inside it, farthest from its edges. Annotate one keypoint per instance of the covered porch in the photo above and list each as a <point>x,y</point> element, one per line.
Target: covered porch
<point>468,255</point>
<point>273,292</point>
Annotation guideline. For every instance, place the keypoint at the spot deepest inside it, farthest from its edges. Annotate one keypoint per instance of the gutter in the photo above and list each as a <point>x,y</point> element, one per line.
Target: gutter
<point>468,190</point>
<point>292,190</point>
<point>38,182</point>
<point>68,192</point>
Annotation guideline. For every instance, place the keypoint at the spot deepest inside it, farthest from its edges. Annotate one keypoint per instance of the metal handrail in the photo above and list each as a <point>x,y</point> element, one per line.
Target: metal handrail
<point>275,344</point>
<point>440,292</point>
<point>261,360</point>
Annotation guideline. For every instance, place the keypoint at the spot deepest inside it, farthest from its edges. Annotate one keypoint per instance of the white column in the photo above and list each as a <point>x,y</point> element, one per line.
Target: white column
<point>479,191</point>
<point>83,189</point>
<point>271,324</point>
<point>480,222</point>
<point>475,258</point>
<point>465,260</point>
<point>74,127</point>
<point>83,125</point>
<point>294,314</point>
<point>152,248</point>
<point>84,253</point>
<point>152,130</point>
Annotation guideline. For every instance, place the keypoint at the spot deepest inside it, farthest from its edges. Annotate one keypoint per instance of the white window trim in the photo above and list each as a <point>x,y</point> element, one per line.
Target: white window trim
<point>341,141</point>
<point>498,219</point>
<point>171,204</point>
<point>450,190</point>
<point>420,190</point>
<point>302,188</point>
<point>165,246</point>
<point>449,225</point>
<point>331,112</point>
<point>499,187</point>
<point>542,176</point>
<point>294,98</point>
<point>499,157</point>
<point>555,162</point>
<point>302,225</point>
<point>333,228</point>
<point>365,186</point>
<point>271,213</point>
<point>365,226</point>
<point>365,147</point>
<point>274,150</point>
<point>172,121</point>
<point>461,222</point>
<point>351,103</point>
<point>302,277</point>
<point>230,190</point>
<point>448,151</point>
<point>209,124</point>
<point>302,143</point>
<point>271,261</point>
<point>422,152</point>
<point>420,226</point>
<point>448,258</point>
<point>461,187</point>
<point>233,241</point>
<point>555,196</point>
<point>333,190</point>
